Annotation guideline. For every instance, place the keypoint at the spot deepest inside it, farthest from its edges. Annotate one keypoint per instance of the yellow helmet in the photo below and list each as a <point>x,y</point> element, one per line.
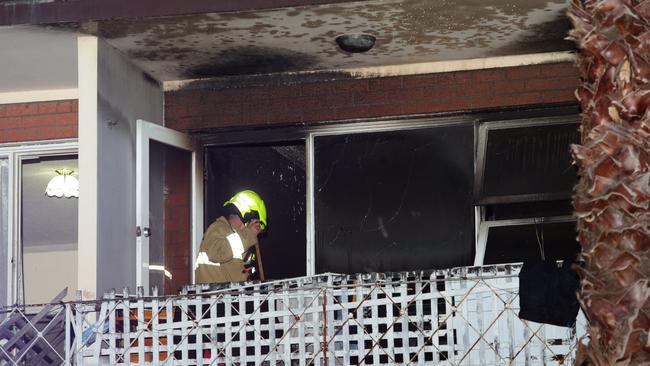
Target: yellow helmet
<point>250,206</point>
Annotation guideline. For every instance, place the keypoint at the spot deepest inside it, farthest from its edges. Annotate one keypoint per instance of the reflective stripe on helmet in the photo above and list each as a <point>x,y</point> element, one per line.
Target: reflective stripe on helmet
<point>243,202</point>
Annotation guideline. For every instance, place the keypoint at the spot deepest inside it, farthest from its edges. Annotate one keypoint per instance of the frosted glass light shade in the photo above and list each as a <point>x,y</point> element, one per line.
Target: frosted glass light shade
<point>63,185</point>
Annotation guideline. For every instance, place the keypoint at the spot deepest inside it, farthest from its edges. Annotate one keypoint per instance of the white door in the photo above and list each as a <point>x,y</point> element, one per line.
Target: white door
<point>165,158</point>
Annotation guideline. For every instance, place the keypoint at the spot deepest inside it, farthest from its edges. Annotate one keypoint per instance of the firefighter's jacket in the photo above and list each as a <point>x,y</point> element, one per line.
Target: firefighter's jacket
<point>220,258</point>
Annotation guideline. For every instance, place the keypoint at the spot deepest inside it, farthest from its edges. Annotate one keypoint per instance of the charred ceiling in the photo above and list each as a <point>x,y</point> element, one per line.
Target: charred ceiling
<point>299,39</point>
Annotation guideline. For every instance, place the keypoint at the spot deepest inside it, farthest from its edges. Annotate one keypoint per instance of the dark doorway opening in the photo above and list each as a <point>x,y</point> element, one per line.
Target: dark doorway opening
<point>276,171</point>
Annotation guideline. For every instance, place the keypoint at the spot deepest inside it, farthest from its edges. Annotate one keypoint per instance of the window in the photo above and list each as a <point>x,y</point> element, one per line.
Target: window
<point>38,233</point>
<point>48,230</point>
<point>523,185</point>
<point>525,160</point>
<point>403,195</point>
<point>395,200</point>
<point>525,241</point>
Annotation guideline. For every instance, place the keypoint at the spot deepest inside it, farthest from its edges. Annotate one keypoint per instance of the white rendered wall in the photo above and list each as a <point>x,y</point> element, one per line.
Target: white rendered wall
<point>58,266</point>
<point>123,94</point>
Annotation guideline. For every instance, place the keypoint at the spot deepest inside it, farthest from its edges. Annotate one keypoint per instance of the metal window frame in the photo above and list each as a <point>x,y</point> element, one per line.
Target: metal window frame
<point>482,130</point>
<point>309,134</point>
<point>360,128</point>
<point>483,228</point>
<point>16,153</point>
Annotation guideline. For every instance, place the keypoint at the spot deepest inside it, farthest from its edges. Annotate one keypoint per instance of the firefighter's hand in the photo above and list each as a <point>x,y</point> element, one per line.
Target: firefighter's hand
<point>254,227</point>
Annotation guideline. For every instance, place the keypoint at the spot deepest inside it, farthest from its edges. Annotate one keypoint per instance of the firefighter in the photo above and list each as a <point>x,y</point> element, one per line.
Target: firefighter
<point>222,255</point>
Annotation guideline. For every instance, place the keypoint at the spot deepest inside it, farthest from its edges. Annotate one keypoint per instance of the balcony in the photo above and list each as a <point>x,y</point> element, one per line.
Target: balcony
<point>460,316</point>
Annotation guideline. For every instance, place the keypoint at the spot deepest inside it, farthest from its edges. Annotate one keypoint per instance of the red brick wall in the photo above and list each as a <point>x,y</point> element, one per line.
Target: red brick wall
<point>367,98</point>
<point>38,121</point>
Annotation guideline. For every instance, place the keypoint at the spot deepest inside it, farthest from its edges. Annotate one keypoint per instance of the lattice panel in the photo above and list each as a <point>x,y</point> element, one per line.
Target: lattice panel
<point>33,335</point>
<point>465,316</point>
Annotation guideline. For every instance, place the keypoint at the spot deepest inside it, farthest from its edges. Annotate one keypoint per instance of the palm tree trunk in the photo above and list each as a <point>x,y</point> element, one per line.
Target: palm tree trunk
<point>612,198</point>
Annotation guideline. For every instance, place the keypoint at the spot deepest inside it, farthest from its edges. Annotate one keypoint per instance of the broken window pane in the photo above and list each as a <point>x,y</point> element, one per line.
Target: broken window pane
<point>277,173</point>
<point>529,161</point>
<point>511,244</point>
<point>393,201</point>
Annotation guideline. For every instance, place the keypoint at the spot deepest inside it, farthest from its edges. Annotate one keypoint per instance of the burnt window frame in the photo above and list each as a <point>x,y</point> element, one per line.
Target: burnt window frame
<point>403,124</point>
<point>481,134</point>
<point>479,120</point>
<point>308,134</point>
<point>483,225</point>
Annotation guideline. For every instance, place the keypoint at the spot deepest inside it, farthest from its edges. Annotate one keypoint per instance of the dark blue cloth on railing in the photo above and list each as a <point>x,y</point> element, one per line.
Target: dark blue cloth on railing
<point>547,293</point>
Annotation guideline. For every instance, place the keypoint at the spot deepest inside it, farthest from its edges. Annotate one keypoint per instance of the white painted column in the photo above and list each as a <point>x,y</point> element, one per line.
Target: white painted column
<point>88,141</point>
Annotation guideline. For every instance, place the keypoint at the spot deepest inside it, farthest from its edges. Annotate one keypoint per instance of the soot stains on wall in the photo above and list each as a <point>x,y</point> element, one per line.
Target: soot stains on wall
<point>277,173</point>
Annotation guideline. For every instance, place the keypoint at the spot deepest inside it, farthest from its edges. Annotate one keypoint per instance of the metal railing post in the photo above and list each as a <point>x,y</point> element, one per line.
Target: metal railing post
<point>324,345</point>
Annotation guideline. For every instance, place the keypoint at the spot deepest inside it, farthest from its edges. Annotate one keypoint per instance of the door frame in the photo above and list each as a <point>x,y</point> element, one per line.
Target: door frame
<point>145,132</point>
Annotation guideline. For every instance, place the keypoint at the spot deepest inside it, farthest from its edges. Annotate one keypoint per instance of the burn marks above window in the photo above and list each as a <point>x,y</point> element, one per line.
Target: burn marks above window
<point>525,160</point>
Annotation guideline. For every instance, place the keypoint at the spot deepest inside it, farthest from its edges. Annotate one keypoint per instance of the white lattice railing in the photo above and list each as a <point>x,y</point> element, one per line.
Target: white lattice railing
<point>33,335</point>
<point>462,316</point>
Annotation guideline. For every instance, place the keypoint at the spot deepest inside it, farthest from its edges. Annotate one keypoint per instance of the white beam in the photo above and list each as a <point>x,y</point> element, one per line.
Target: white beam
<point>38,96</point>
<point>87,257</point>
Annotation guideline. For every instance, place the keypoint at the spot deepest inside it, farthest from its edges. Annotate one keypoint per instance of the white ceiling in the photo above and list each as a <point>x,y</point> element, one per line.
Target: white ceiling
<point>37,59</point>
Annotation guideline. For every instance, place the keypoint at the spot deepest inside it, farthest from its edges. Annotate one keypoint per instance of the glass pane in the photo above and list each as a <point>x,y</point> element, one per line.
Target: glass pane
<point>277,173</point>
<point>531,160</point>
<point>394,201</point>
<point>48,232</point>
<point>4,231</point>
<point>169,217</point>
<point>512,244</point>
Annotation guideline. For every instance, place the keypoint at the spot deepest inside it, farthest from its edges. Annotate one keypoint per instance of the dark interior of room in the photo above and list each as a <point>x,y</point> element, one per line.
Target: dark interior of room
<point>394,201</point>
<point>277,173</point>
<point>402,200</point>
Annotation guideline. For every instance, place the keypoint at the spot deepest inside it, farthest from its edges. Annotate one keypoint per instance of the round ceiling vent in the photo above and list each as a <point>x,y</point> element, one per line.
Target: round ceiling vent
<point>356,42</point>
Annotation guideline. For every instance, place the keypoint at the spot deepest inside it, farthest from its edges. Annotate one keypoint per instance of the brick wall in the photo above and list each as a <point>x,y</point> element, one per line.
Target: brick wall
<point>367,98</point>
<point>38,121</point>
